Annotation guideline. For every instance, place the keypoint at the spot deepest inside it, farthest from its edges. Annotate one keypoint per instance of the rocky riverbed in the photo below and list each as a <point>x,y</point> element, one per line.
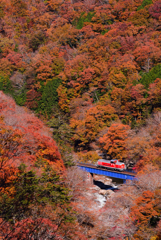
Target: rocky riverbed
<point>102,189</point>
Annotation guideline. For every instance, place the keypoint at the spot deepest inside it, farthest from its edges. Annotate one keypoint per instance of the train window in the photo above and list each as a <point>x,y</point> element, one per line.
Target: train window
<point>112,161</point>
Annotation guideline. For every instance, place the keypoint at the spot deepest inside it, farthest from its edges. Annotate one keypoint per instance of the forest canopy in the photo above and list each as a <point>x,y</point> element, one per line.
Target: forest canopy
<point>78,78</point>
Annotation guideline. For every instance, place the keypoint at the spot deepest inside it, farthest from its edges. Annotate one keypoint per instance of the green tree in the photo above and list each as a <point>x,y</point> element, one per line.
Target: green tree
<point>29,190</point>
<point>151,76</point>
<point>144,3</point>
<point>62,134</point>
<point>49,97</point>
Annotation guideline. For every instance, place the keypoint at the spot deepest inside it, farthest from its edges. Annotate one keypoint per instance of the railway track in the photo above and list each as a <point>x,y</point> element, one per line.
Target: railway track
<point>104,169</point>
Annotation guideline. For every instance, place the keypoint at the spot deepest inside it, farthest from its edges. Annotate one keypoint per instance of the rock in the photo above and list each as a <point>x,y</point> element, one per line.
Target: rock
<point>94,187</point>
<point>109,193</point>
<point>103,192</point>
<point>100,200</point>
<point>18,80</point>
<point>108,181</point>
<point>103,179</point>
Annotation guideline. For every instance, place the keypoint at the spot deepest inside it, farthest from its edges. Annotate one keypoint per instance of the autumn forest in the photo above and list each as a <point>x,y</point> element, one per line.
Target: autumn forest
<point>79,79</point>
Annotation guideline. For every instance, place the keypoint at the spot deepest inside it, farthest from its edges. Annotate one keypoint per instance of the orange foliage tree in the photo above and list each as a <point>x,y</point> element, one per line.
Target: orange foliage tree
<point>113,142</point>
<point>95,119</point>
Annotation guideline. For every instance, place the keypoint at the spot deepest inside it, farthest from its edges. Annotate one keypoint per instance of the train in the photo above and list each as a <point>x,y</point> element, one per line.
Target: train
<point>111,164</point>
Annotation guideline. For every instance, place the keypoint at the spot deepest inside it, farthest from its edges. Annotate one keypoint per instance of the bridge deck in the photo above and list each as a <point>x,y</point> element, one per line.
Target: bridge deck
<point>125,175</point>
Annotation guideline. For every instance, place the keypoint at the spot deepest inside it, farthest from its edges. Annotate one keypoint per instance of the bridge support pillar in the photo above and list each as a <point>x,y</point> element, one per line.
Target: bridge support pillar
<point>91,178</point>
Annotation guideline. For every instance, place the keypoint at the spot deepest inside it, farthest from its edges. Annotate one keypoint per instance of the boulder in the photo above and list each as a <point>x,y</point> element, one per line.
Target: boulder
<point>18,80</point>
<point>108,181</point>
<point>109,193</point>
<point>103,192</point>
<point>94,187</point>
<point>103,179</point>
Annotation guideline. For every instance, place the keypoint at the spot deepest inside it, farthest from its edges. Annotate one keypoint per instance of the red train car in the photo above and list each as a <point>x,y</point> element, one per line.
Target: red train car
<point>111,164</point>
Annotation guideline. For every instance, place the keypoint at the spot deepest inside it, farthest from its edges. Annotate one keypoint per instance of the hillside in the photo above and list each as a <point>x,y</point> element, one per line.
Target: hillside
<point>91,71</point>
<point>35,201</point>
<point>82,65</point>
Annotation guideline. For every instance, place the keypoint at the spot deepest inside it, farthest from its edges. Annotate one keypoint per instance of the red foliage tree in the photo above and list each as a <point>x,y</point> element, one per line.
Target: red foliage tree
<point>36,141</point>
<point>155,9</point>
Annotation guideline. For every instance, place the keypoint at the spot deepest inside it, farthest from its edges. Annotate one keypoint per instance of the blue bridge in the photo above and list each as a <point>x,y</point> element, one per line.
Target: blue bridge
<point>113,174</point>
